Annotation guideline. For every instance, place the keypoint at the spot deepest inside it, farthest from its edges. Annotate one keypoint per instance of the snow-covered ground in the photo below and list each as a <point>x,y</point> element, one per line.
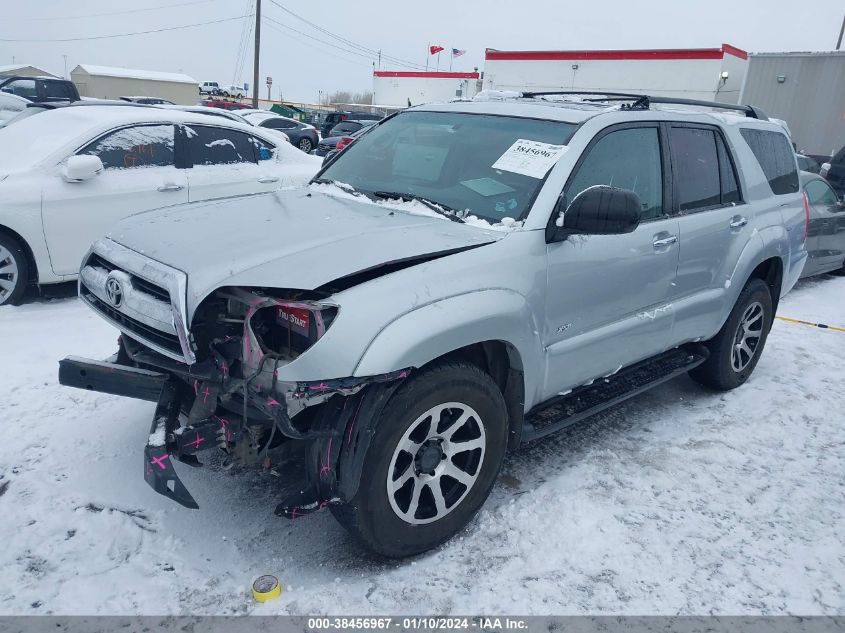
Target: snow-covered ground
<point>680,501</point>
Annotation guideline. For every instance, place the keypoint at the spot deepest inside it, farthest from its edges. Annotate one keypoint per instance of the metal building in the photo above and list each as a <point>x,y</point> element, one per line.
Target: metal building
<point>105,82</point>
<point>807,90</point>
<point>712,74</point>
<point>23,70</point>
<point>401,89</point>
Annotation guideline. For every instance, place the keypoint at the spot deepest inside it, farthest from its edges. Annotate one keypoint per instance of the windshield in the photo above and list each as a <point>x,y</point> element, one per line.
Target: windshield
<point>466,162</point>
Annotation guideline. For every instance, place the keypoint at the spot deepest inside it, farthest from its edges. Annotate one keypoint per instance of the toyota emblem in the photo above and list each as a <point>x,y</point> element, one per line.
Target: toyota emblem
<point>114,292</point>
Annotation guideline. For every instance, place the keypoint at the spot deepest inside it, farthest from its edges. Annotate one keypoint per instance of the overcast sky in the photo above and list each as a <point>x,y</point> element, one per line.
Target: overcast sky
<point>301,66</point>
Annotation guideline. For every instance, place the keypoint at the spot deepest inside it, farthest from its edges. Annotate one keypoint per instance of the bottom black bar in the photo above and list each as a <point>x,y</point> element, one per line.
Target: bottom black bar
<point>106,377</point>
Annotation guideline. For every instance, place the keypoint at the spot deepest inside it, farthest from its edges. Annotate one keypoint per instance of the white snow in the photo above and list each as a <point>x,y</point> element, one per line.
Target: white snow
<point>680,501</point>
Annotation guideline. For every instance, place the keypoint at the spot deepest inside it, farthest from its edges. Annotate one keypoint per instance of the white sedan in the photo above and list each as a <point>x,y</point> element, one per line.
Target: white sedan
<point>68,175</point>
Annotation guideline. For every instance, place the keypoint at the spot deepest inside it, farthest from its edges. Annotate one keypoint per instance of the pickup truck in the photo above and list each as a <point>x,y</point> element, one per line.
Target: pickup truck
<point>464,278</point>
<point>40,88</point>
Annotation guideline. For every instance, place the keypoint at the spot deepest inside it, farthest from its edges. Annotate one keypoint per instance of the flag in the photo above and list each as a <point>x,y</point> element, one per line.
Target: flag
<point>433,50</point>
<point>457,53</point>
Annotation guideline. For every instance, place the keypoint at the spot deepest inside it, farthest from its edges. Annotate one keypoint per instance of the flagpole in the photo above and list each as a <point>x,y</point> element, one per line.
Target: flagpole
<point>438,61</point>
<point>451,59</point>
<point>427,55</point>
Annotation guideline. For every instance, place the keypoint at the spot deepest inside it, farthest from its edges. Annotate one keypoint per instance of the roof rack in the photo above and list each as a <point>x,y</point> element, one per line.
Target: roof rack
<point>643,102</point>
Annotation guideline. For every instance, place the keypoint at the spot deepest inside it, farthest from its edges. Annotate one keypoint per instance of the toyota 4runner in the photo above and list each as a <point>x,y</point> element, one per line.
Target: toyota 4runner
<point>463,279</point>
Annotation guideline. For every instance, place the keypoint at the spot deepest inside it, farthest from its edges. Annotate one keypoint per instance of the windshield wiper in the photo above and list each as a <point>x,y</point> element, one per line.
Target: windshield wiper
<point>437,207</point>
<point>339,185</point>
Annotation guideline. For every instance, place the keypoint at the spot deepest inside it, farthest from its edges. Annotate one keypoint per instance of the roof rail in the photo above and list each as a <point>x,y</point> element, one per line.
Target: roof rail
<point>643,102</point>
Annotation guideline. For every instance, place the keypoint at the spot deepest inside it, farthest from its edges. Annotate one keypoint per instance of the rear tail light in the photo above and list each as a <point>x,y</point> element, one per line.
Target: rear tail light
<point>806,216</point>
<point>343,142</point>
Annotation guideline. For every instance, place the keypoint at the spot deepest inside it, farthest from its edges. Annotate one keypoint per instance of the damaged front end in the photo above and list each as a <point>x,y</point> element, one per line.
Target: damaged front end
<point>231,397</point>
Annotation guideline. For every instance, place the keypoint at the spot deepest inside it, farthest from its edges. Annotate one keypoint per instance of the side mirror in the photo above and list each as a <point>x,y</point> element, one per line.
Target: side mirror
<point>82,167</point>
<point>598,210</point>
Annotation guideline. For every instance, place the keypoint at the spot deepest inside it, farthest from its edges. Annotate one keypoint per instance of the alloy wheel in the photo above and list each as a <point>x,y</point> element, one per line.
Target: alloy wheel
<point>436,463</point>
<point>8,274</point>
<point>305,145</point>
<point>747,336</point>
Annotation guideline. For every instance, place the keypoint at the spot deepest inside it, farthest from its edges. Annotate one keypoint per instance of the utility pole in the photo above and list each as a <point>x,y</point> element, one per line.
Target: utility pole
<point>257,50</point>
<point>841,31</point>
<point>65,76</point>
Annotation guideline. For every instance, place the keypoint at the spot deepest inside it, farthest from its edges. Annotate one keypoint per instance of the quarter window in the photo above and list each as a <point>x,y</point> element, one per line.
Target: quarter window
<point>820,194</point>
<point>775,156</point>
<point>141,146</point>
<point>628,159</point>
<point>220,146</point>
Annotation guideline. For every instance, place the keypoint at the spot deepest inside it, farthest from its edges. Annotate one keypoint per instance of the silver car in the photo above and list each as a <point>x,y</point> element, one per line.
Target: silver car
<point>463,279</point>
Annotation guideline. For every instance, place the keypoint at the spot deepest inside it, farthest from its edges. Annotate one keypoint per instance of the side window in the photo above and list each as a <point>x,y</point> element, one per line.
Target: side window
<point>820,194</point>
<point>629,159</point>
<point>278,124</point>
<point>263,149</point>
<point>141,146</point>
<point>696,164</point>
<point>219,146</point>
<point>56,90</point>
<point>727,174</point>
<point>23,88</point>
<point>774,153</point>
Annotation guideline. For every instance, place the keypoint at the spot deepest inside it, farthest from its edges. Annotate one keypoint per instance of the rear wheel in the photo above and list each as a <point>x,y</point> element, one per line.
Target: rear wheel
<point>736,349</point>
<point>435,453</point>
<point>14,270</point>
<point>306,145</point>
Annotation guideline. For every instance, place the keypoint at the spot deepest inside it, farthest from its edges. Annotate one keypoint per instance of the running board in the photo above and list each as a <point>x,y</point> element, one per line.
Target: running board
<point>565,410</point>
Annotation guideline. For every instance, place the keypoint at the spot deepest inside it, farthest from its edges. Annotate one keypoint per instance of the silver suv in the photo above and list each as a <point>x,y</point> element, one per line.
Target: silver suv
<point>463,279</point>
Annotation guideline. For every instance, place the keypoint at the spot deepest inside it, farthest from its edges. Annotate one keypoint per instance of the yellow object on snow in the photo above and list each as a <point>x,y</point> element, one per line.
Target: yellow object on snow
<point>266,588</point>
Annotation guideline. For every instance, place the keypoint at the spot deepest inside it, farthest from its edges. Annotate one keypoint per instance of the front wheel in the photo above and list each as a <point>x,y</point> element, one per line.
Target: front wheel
<point>436,451</point>
<point>306,145</point>
<point>736,349</point>
<point>14,271</point>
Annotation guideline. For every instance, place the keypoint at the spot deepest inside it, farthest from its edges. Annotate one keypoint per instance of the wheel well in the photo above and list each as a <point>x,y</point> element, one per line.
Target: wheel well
<point>771,272</point>
<point>30,258</point>
<point>502,362</point>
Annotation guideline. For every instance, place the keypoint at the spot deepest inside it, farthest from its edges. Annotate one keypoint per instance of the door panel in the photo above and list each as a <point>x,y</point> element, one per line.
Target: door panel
<point>139,175</point>
<point>225,163</point>
<point>607,295</point>
<point>826,232</point>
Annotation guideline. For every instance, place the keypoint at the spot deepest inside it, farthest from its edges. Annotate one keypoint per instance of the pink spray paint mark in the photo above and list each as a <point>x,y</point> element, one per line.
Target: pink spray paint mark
<point>403,374</point>
<point>354,418</point>
<point>196,387</point>
<point>272,403</point>
<point>326,468</point>
<point>159,461</point>
<point>205,394</point>
<point>196,443</point>
<point>321,387</point>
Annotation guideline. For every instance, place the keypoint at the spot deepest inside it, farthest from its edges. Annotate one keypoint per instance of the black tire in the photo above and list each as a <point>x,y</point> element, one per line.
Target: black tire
<point>370,515</point>
<point>719,371</point>
<point>14,271</point>
<point>305,145</point>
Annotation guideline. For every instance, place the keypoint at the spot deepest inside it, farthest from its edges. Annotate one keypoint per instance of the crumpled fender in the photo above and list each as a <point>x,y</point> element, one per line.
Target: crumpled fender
<point>432,330</point>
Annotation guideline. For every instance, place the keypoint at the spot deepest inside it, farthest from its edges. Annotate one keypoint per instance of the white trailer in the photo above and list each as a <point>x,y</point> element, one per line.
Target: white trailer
<point>711,74</point>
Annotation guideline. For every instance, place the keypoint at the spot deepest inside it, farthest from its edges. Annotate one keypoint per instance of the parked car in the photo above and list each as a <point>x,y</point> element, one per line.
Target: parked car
<point>68,174</point>
<point>301,135</point>
<point>333,118</point>
<point>330,147</point>
<point>227,114</point>
<point>834,172</point>
<point>826,230</point>
<point>210,88</point>
<point>226,105</point>
<point>37,107</point>
<point>234,91</point>
<point>808,164</point>
<point>40,88</point>
<point>445,291</point>
<point>148,100</point>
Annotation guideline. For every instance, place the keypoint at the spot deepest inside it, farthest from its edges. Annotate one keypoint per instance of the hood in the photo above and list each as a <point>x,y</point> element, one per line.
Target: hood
<point>288,239</point>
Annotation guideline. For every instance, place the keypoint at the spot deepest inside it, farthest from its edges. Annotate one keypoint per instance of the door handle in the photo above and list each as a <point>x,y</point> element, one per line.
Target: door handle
<point>268,179</point>
<point>171,187</point>
<point>664,241</point>
<point>737,222</point>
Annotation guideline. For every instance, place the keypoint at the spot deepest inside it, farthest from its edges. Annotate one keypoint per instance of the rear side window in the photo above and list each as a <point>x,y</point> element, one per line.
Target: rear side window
<point>775,155</point>
<point>140,146</point>
<point>628,159</point>
<point>57,90</point>
<point>727,173</point>
<point>279,124</point>
<point>696,163</point>
<point>220,146</point>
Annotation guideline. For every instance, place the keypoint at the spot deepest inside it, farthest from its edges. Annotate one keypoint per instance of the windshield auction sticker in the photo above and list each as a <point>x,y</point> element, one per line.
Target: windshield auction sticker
<point>530,158</point>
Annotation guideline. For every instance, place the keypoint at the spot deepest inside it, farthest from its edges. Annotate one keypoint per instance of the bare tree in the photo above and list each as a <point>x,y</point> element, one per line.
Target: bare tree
<point>340,96</point>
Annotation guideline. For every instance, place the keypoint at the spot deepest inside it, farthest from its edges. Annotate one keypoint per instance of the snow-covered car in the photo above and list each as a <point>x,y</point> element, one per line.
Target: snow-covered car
<point>464,278</point>
<point>10,106</point>
<point>302,135</point>
<point>68,174</point>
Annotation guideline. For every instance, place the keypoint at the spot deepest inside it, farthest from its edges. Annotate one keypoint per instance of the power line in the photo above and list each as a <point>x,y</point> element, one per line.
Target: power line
<point>104,37</point>
<point>309,41</point>
<point>97,15</point>
<point>371,52</point>
<point>316,39</point>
